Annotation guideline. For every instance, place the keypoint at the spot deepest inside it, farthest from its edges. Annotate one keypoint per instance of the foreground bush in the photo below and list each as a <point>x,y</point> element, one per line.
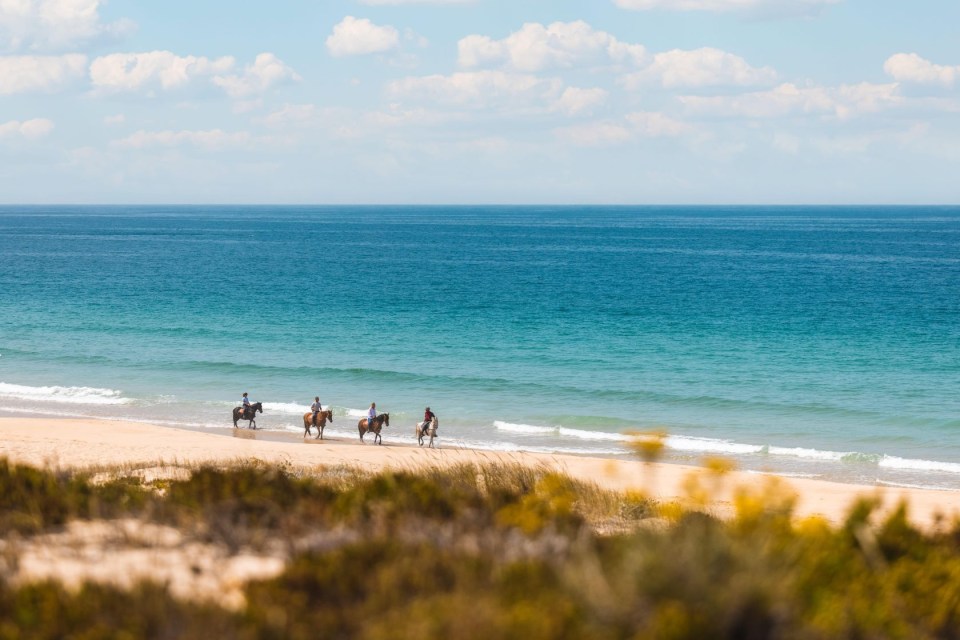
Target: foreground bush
<point>499,553</point>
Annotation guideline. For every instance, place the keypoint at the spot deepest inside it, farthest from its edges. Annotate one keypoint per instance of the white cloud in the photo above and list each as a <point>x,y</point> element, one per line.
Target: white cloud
<point>699,68</point>
<point>30,129</point>
<point>21,74</point>
<point>209,140</point>
<point>152,70</point>
<point>909,67</point>
<point>290,115</point>
<point>164,70</point>
<point>41,25</point>
<point>640,124</point>
<point>358,36</point>
<point>266,71</point>
<point>536,47</point>
<point>789,99</point>
<point>595,134</point>
<point>802,7</point>
<point>478,89</point>
<point>651,124</point>
<point>574,100</point>
<point>115,119</point>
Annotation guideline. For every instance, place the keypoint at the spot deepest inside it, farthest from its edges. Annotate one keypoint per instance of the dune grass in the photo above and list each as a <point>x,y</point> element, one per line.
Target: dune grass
<point>489,551</point>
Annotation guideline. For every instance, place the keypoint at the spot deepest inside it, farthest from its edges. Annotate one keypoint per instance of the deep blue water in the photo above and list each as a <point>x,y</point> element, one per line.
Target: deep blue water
<point>807,340</point>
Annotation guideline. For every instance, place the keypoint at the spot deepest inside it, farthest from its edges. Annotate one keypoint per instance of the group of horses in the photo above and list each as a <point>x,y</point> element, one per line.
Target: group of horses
<point>422,431</point>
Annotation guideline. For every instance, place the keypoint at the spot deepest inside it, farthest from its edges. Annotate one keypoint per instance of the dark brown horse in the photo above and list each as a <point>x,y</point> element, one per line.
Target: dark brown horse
<point>238,414</point>
<point>321,422</point>
<point>381,421</point>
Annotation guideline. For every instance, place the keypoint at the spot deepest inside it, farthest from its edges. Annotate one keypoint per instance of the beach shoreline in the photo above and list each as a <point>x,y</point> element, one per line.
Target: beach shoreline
<point>80,444</point>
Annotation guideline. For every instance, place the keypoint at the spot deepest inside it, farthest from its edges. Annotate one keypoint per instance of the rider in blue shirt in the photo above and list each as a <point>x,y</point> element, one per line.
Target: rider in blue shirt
<point>371,414</point>
<point>244,404</point>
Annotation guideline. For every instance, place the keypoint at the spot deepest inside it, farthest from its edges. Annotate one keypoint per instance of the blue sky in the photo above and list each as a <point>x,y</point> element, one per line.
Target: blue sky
<point>482,101</point>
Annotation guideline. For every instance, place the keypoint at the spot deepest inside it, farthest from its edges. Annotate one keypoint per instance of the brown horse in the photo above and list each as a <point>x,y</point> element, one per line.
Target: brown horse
<point>381,421</point>
<point>429,430</point>
<point>322,418</point>
<point>238,414</point>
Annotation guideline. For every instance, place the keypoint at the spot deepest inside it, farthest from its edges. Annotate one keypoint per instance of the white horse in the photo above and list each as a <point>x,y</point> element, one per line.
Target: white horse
<point>423,430</point>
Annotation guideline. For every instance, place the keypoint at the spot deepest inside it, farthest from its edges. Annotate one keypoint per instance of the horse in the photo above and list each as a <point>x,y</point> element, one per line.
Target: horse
<point>238,415</point>
<point>428,430</point>
<point>322,417</point>
<point>382,420</point>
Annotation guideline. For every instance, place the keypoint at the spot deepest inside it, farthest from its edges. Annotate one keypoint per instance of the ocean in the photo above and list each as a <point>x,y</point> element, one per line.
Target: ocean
<point>808,341</point>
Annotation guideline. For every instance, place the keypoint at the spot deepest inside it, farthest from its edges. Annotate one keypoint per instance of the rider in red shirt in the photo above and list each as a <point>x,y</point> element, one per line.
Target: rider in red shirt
<point>428,417</point>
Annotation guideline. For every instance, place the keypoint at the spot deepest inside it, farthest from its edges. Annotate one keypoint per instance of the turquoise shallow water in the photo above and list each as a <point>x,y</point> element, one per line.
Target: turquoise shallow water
<point>812,341</point>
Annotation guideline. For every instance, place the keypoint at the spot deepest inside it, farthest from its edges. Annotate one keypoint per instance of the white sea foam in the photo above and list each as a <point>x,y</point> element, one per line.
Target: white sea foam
<point>525,428</point>
<point>811,454</point>
<point>710,445</point>
<point>908,485</point>
<point>593,435</point>
<point>893,462</point>
<point>63,395</point>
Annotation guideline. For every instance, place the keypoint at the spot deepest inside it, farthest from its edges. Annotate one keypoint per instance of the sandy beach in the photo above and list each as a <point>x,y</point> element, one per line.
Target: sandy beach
<point>82,444</point>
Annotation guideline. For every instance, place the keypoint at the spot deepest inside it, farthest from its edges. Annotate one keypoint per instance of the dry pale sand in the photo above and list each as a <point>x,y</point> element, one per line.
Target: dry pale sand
<point>81,444</point>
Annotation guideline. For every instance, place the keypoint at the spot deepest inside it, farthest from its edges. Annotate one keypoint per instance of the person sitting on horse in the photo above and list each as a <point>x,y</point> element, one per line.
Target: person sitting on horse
<point>245,405</point>
<point>316,408</point>
<point>372,414</point>
<point>428,418</point>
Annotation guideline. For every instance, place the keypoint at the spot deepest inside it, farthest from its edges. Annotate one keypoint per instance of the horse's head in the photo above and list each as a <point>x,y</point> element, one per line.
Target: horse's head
<point>386,419</point>
<point>258,406</point>
<point>330,415</point>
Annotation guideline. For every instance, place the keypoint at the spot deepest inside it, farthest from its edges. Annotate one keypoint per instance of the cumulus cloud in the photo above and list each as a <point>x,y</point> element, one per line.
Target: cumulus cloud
<point>152,70</point>
<point>290,115</point>
<point>478,89</point>
<point>574,100</point>
<point>802,7</point>
<point>208,140</point>
<point>164,70</point>
<point>22,74</point>
<point>640,124</point>
<point>359,36</point>
<point>651,124</point>
<point>536,47</point>
<point>909,67</point>
<point>788,99</point>
<point>42,25</point>
<point>699,68</point>
<point>266,71</point>
<point>29,129</point>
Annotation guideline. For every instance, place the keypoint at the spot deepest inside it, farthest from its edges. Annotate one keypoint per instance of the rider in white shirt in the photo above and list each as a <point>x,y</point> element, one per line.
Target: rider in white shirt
<point>316,407</point>
<point>371,414</point>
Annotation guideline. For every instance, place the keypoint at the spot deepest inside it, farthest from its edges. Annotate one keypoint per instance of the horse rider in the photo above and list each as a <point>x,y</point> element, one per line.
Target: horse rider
<point>371,414</point>
<point>316,408</point>
<point>428,418</point>
<point>244,405</point>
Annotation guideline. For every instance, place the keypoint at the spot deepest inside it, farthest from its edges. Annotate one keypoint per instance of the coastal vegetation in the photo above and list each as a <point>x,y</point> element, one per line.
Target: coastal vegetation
<point>471,551</point>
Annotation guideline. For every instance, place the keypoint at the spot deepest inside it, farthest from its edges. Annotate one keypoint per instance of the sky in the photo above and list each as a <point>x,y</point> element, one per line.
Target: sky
<point>480,101</point>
